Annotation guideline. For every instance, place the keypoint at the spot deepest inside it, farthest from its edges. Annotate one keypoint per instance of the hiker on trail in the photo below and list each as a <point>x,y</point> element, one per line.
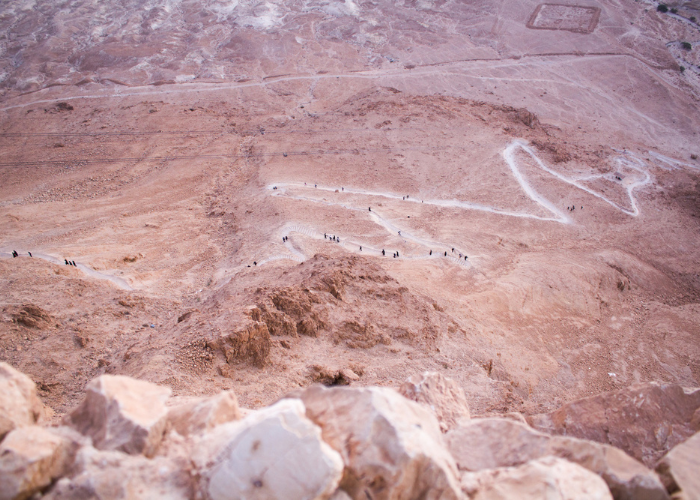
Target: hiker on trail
<point>453,249</point>
<point>74,264</point>
<point>465,257</point>
<point>14,253</point>
<point>383,252</point>
<point>581,207</point>
<point>255,263</point>
<point>66,261</point>
<point>445,253</point>
<point>399,233</point>
<point>342,189</point>
<point>324,236</point>
<point>397,253</point>
<point>30,253</point>
<point>285,154</point>
<point>338,240</point>
<point>431,252</point>
<point>370,209</point>
<point>315,185</point>
<point>360,248</point>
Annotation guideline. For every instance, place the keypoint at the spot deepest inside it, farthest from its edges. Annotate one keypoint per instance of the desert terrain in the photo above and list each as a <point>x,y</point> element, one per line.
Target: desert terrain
<point>261,196</point>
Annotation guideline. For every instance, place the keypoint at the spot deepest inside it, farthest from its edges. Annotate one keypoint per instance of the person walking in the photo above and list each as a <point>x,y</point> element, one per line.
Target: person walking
<point>30,253</point>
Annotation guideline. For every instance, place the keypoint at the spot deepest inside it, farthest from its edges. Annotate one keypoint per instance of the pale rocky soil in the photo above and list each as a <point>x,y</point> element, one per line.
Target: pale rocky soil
<point>144,141</point>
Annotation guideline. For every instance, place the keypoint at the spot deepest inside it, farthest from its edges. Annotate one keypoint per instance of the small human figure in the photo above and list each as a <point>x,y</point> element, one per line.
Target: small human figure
<point>465,257</point>
<point>431,252</point>
<point>383,252</point>
<point>315,185</point>
<point>370,209</point>
<point>360,248</point>
<point>285,154</point>
<point>397,254</point>
<point>399,233</point>
<point>255,263</point>
<point>14,253</point>
<point>445,253</point>
<point>324,236</point>
<point>453,249</point>
<point>342,189</point>
<point>338,240</point>
<point>66,261</point>
<point>74,264</point>
<point>30,253</point>
<point>581,207</point>
<point>403,198</point>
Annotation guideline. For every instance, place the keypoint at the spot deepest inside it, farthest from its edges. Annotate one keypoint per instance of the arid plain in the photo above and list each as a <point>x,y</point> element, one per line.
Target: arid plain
<point>234,181</point>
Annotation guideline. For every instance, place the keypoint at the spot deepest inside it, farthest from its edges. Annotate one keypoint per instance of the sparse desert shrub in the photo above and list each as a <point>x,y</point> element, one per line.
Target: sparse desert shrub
<point>662,8</point>
<point>686,45</point>
<point>693,19</point>
<point>682,69</point>
<point>674,11</point>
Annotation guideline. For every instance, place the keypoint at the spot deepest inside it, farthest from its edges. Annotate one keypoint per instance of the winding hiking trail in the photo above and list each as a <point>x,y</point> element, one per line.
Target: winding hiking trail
<point>119,282</point>
<point>625,159</point>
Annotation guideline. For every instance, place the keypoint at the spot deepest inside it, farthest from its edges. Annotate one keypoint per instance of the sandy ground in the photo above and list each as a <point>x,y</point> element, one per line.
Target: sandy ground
<point>199,165</point>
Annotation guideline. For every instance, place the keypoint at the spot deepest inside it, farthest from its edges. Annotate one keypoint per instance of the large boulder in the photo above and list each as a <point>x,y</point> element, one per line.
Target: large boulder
<point>121,413</point>
<point>392,447</point>
<point>19,403</point>
<point>548,478</point>
<point>32,457</point>
<point>441,395</point>
<point>491,443</point>
<point>645,420</point>
<point>274,453</point>
<point>203,414</point>
<point>680,469</point>
<point>113,475</point>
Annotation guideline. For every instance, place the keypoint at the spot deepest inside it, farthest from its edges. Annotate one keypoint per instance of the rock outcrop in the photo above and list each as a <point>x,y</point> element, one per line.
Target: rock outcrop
<point>19,403</point>
<point>645,421</point>
<point>320,443</point>
<point>391,447</point>
<point>275,453</point>
<point>250,344</point>
<point>493,443</point>
<point>204,414</point>
<point>680,469</point>
<point>113,475</point>
<point>31,458</point>
<point>440,395</point>
<point>549,477</point>
<point>121,413</point>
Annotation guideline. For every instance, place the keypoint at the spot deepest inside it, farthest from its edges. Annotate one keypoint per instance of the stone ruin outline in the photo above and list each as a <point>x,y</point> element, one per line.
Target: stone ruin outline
<point>583,30</point>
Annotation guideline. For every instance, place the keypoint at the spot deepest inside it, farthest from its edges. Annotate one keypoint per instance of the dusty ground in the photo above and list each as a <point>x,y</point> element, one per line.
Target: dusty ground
<point>190,160</point>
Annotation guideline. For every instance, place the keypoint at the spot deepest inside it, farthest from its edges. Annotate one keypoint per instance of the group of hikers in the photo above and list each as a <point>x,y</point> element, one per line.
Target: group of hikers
<point>573,207</point>
<point>67,262</point>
